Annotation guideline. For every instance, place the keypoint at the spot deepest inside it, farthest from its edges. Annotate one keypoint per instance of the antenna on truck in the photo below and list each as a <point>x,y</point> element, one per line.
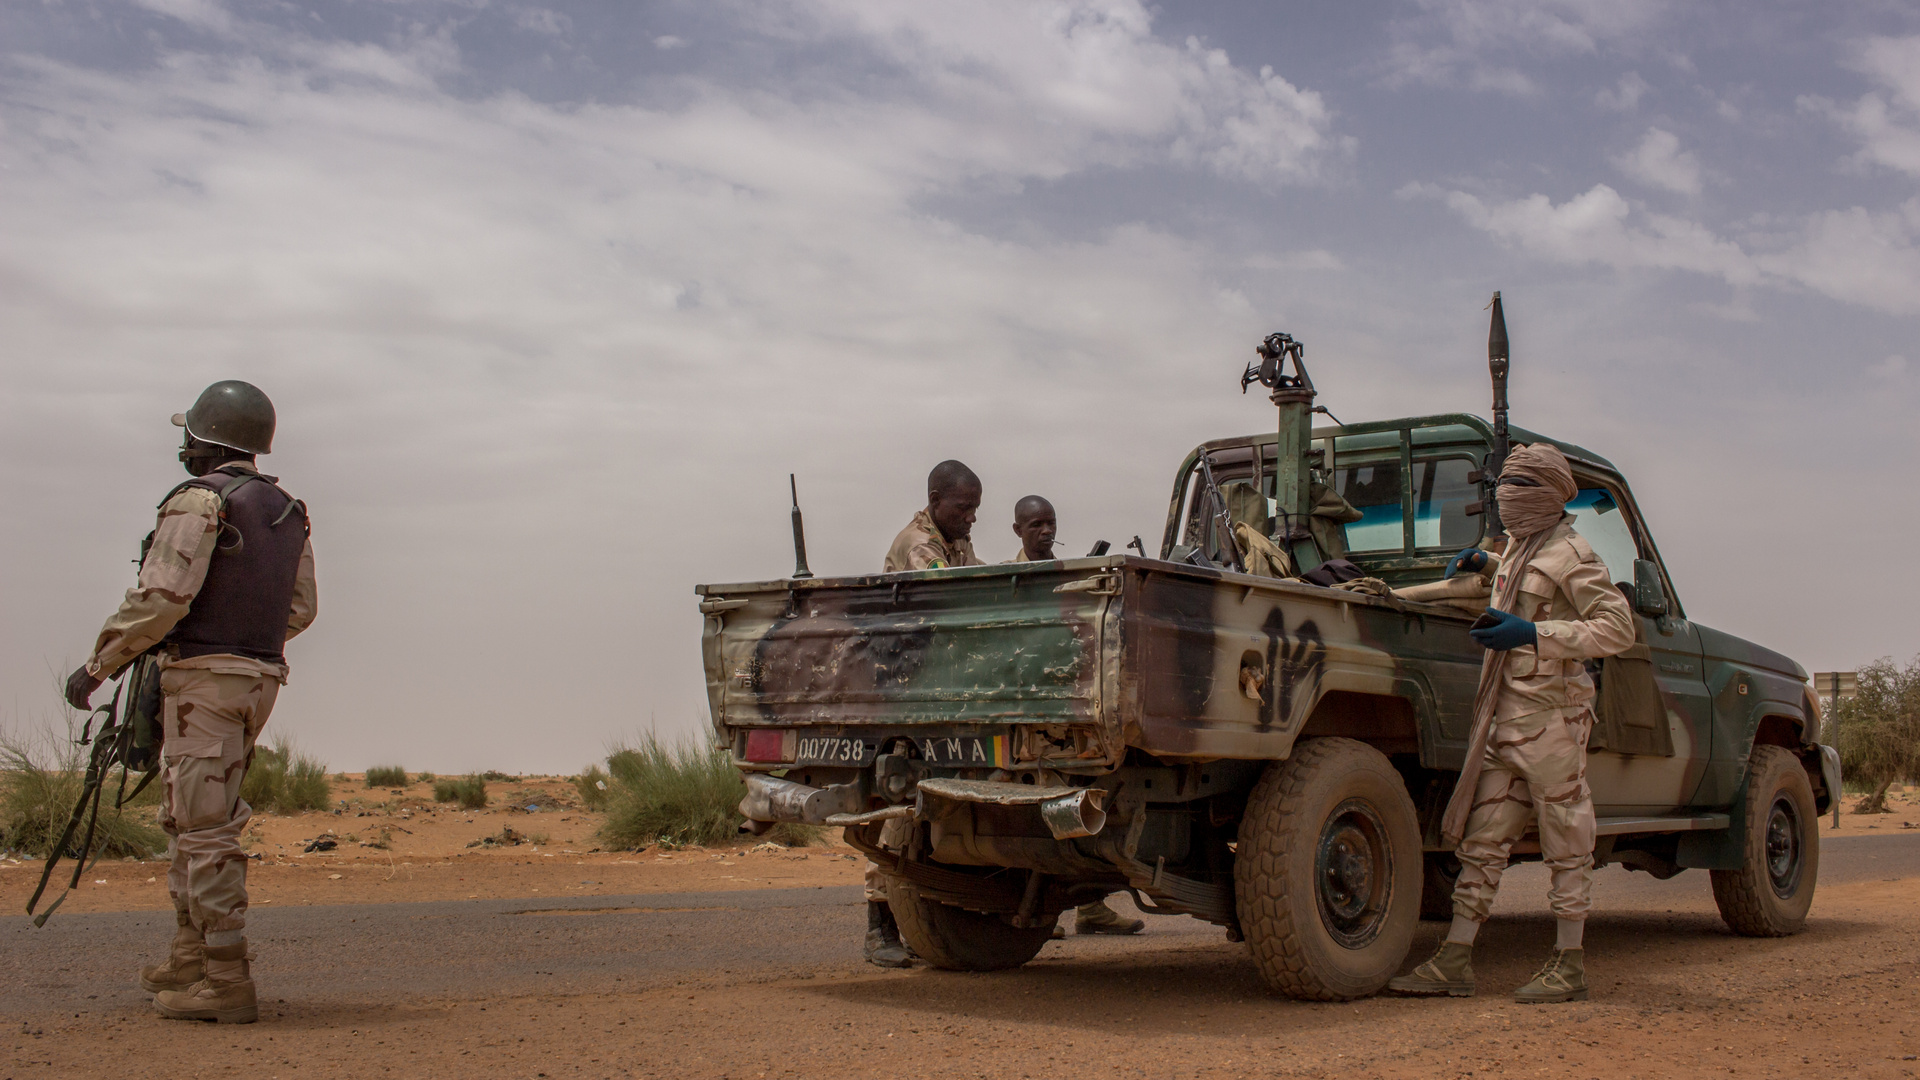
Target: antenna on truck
<point>799,533</point>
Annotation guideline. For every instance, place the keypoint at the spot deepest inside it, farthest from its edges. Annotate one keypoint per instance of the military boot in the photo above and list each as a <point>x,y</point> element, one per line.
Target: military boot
<point>224,995</point>
<point>182,967</point>
<point>883,938</point>
<point>1564,978</point>
<point>1098,918</point>
<point>1450,972</point>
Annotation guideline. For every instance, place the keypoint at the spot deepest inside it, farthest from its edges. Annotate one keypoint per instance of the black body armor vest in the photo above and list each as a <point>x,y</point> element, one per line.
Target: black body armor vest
<point>248,595</point>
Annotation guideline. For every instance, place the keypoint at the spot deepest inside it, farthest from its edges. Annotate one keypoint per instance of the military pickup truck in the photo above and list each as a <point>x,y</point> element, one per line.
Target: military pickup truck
<point>1269,755</point>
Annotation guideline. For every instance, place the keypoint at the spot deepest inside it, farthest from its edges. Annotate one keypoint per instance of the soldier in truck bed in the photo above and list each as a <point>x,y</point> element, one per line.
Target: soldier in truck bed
<point>1554,608</point>
<point>1035,523</point>
<point>939,536</point>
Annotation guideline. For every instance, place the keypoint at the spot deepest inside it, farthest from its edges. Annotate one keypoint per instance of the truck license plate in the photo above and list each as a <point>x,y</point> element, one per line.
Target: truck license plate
<point>825,750</point>
<point>992,751</point>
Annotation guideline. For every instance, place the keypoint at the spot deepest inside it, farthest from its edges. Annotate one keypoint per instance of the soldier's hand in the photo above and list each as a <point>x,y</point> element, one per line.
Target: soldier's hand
<point>80,687</point>
<point>1470,560</point>
<point>1504,632</point>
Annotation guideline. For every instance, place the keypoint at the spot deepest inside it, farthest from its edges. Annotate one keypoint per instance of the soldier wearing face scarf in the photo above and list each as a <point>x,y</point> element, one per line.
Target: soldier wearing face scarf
<point>1555,607</point>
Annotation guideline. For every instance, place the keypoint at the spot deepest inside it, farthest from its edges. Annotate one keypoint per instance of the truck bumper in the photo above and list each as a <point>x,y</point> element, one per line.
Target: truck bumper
<point>1066,812</point>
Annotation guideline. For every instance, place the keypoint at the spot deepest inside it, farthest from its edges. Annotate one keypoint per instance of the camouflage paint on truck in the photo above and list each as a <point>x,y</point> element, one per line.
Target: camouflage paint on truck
<point>1171,688</point>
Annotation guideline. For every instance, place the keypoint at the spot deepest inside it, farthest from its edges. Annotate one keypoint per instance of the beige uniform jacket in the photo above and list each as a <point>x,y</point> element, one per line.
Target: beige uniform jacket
<point>920,546</point>
<point>1578,614</point>
<point>171,576</point>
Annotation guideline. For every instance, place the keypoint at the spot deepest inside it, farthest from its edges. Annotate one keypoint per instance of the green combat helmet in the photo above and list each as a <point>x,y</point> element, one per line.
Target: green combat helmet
<point>233,414</point>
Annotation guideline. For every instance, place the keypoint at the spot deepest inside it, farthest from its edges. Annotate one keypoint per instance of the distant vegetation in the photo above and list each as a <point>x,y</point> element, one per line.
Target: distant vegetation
<point>493,775</point>
<point>1879,731</point>
<point>425,778</point>
<point>469,791</point>
<point>283,780</point>
<point>592,786</point>
<point>387,776</point>
<point>676,795</point>
<point>39,785</point>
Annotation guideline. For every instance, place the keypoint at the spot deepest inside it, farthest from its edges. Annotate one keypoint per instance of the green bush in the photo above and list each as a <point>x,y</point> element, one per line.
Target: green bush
<point>38,789</point>
<point>468,791</point>
<point>425,778</point>
<point>593,787</point>
<point>388,776</point>
<point>684,794</point>
<point>284,781</point>
<point>492,775</point>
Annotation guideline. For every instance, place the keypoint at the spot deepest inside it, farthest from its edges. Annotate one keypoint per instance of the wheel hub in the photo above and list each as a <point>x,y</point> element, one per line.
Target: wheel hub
<point>1783,848</point>
<point>1353,876</point>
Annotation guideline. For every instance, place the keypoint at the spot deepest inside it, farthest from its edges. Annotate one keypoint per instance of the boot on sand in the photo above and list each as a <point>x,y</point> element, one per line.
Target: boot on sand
<point>1564,978</point>
<point>1098,918</point>
<point>1450,972</point>
<point>224,995</point>
<point>883,938</point>
<point>182,967</point>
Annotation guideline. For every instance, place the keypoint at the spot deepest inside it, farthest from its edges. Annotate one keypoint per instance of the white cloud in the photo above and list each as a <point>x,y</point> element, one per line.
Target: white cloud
<point>1659,161</point>
<point>1855,256</point>
<point>1594,227</point>
<point>1089,79</point>
<point>202,14</point>
<point>1886,121</point>
<point>668,41</point>
<point>1893,367</point>
<point>1624,96</point>
<point>1476,43</point>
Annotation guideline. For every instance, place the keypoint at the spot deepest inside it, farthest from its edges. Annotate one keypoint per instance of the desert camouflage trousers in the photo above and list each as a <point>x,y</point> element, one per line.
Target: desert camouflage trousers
<point>1535,770</point>
<point>893,837</point>
<point>212,720</point>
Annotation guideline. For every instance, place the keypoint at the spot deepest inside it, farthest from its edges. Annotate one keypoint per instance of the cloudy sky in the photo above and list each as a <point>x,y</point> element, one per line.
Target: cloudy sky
<point>552,298</point>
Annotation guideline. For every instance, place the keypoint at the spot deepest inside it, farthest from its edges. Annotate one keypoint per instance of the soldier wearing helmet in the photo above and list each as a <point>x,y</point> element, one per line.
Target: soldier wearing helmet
<point>226,577</point>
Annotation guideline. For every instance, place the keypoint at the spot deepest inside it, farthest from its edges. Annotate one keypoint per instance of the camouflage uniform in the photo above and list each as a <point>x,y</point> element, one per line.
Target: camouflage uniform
<point>1535,766</point>
<point>920,546</point>
<point>213,708</point>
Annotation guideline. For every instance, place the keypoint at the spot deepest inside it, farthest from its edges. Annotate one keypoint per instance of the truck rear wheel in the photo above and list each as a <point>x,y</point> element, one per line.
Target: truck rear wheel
<point>956,939</point>
<point>1768,896</point>
<point>1328,872</point>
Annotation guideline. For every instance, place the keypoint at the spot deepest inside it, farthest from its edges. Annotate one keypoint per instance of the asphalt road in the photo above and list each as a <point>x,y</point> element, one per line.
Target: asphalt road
<point>80,964</point>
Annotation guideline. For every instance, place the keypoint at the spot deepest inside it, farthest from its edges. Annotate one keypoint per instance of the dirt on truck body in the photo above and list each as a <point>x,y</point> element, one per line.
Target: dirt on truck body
<point>1269,755</point>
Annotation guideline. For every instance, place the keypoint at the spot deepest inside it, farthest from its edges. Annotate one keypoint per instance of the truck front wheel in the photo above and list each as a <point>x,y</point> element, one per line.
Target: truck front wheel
<point>960,940</point>
<point>1768,896</point>
<point>1328,872</point>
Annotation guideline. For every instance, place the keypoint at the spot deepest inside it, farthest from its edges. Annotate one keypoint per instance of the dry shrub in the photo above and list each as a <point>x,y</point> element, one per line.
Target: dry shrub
<point>1878,730</point>
<point>469,791</point>
<point>282,780</point>
<point>40,781</point>
<point>679,795</point>
<point>387,776</point>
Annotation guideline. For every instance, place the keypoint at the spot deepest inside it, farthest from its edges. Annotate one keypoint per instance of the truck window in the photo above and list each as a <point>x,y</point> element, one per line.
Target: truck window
<point>1442,495</point>
<point>1374,490</point>
<point>1598,519</point>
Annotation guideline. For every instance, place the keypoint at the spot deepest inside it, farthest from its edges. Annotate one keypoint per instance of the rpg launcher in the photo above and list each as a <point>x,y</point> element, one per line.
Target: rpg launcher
<point>1489,475</point>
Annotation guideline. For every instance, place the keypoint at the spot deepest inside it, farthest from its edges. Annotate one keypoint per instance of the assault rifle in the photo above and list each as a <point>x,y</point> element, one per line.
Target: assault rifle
<point>1217,510</point>
<point>129,740</point>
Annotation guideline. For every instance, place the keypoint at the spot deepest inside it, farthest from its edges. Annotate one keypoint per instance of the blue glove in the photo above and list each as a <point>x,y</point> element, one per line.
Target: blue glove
<point>1507,632</point>
<point>1470,560</point>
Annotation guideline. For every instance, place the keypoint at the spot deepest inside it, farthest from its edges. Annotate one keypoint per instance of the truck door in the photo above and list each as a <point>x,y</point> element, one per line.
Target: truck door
<point>1651,739</point>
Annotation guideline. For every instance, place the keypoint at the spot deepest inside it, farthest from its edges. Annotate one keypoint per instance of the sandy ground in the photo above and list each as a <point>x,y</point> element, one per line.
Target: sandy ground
<point>1674,994</point>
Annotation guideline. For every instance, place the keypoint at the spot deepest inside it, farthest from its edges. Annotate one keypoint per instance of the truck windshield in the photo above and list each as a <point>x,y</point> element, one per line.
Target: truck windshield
<point>1597,518</point>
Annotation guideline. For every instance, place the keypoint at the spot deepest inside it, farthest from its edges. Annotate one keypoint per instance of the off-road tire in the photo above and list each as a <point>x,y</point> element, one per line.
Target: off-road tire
<point>1783,834</point>
<point>956,939</point>
<point>1328,794</point>
<point>1440,874</point>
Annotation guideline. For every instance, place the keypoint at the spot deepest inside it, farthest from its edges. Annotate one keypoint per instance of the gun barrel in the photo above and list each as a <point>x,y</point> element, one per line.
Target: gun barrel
<point>1498,364</point>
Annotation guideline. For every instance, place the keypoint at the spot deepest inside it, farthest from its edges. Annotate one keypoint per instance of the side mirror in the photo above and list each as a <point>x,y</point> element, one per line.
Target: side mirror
<point>1649,593</point>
